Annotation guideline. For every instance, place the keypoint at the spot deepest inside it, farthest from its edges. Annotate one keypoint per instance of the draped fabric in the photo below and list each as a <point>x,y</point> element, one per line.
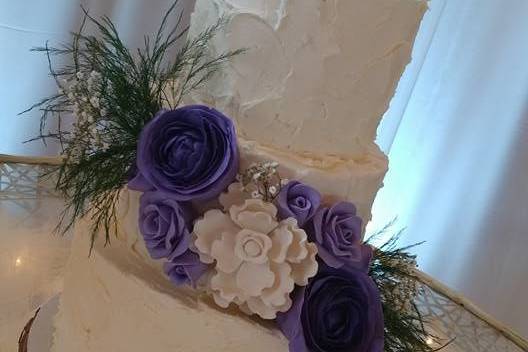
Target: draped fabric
<point>457,139</point>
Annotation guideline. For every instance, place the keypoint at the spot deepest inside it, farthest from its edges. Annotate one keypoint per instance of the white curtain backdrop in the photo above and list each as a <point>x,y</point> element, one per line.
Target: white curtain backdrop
<point>457,139</point>
<point>456,133</point>
<point>25,24</point>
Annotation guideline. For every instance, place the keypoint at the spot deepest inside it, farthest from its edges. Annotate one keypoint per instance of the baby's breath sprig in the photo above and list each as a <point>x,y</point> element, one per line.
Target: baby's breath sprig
<point>392,269</point>
<point>262,180</point>
<point>86,93</point>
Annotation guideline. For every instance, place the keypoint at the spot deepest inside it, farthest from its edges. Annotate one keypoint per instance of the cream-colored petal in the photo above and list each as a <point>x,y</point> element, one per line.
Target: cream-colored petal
<point>281,239</point>
<point>278,294</point>
<point>297,250</point>
<point>286,306</point>
<point>258,222</point>
<point>307,268</point>
<point>209,228</point>
<point>220,301</point>
<point>239,301</point>
<point>226,287</point>
<point>235,195</point>
<point>223,250</point>
<point>204,258</point>
<point>257,306</point>
<point>253,278</point>
<point>255,215</point>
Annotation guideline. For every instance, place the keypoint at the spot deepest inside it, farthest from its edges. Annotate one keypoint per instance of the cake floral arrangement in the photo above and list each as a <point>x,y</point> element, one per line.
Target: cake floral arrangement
<point>247,237</point>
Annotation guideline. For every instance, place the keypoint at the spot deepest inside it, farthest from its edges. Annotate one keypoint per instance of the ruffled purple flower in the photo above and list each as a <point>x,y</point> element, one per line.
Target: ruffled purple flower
<point>164,224</point>
<point>190,153</point>
<point>339,310</point>
<point>299,201</point>
<point>337,232</point>
<point>185,269</point>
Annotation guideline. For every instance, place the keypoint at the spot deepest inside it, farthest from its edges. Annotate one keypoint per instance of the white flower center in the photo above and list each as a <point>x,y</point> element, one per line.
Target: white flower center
<point>252,246</point>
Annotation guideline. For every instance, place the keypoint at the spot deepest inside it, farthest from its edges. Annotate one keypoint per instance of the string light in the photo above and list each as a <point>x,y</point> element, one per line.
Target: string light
<point>429,341</point>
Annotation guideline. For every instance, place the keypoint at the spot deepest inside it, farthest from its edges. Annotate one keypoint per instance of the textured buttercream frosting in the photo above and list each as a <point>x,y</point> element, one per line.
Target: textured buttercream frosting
<point>317,75</point>
<point>117,300</point>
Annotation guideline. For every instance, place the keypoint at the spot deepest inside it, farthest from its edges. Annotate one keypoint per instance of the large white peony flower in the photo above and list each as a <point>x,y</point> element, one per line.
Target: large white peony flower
<point>258,259</point>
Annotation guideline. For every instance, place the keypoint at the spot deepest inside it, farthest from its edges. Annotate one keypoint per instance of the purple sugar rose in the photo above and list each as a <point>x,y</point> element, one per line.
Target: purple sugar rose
<point>298,200</point>
<point>190,153</point>
<point>185,269</point>
<point>339,310</point>
<point>337,233</point>
<point>164,224</point>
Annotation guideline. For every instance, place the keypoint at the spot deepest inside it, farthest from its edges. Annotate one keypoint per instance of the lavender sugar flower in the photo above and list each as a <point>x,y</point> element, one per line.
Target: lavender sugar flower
<point>189,153</point>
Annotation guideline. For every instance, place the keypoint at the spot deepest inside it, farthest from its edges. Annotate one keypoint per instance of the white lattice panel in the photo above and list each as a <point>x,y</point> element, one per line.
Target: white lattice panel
<point>451,321</point>
<point>24,183</point>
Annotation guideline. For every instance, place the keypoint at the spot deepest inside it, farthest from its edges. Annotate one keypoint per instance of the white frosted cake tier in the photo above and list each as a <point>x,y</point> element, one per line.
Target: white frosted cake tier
<point>120,297</point>
<point>120,300</point>
<point>317,75</point>
<point>309,93</point>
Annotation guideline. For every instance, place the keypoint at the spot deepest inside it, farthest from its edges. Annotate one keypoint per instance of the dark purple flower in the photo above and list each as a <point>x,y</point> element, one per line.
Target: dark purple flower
<point>185,269</point>
<point>339,311</point>
<point>298,200</point>
<point>164,224</point>
<point>190,153</point>
<point>337,233</point>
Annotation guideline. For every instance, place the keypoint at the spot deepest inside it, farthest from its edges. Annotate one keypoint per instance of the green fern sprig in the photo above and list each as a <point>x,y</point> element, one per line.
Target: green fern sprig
<point>392,269</point>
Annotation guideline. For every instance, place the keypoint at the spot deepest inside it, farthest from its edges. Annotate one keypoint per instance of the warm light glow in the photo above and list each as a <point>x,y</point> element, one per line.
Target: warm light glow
<point>429,341</point>
<point>18,261</point>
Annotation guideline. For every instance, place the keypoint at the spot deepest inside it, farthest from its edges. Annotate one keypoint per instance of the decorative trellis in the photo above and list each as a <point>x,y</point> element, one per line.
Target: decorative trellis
<point>452,317</point>
<point>24,180</point>
<point>452,321</point>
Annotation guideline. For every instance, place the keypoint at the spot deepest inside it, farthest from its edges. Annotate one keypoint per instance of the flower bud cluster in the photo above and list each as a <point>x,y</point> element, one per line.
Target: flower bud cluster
<point>403,288</point>
<point>262,180</point>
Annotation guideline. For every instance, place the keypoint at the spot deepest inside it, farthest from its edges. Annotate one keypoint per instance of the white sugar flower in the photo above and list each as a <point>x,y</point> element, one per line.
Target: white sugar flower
<point>258,259</point>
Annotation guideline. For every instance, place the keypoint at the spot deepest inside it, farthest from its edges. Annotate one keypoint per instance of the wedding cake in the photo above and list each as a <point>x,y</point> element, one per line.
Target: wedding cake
<point>308,93</point>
